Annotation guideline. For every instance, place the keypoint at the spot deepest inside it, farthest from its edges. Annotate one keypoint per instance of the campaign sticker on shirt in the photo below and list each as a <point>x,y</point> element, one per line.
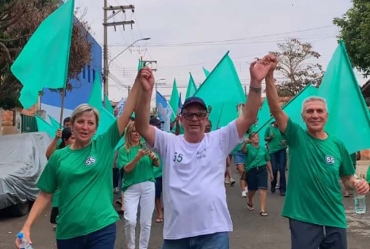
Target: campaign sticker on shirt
<point>90,161</point>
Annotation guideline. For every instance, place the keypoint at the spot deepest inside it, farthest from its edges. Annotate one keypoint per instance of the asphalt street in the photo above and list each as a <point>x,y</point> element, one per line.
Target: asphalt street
<point>250,229</point>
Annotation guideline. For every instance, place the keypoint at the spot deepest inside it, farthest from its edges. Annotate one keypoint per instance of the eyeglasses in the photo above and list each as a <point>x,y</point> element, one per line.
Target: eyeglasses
<point>197,115</point>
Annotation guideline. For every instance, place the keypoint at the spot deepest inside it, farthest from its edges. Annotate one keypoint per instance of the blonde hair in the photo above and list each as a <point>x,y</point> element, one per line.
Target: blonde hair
<point>128,143</point>
<point>85,108</point>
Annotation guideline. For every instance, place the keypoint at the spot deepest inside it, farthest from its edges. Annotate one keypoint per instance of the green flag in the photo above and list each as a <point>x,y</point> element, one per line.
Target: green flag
<point>192,88</point>
<point>43,126</point>
<point>349,118</point>
<point>206,72</point>
<point>174,100</point>
<point>55,124</point>
<point>108,105</point>
<point>95,100</point>
<point>43,62</point>
<point>140,65</point>
<point>293,108</point>
<point>222,91</point>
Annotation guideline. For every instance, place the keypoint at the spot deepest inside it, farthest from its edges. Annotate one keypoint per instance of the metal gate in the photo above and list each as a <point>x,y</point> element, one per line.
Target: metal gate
<point>28,124</point>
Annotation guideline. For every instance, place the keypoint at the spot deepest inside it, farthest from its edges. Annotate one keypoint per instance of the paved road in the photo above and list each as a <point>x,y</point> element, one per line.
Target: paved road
<point>250,230</point>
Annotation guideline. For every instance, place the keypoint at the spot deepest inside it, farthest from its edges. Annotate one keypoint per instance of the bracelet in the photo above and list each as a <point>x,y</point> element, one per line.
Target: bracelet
<point>255,89</point>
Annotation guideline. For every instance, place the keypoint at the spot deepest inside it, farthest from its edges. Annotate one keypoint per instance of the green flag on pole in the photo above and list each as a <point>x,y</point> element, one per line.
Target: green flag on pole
<point>174,100</point>
<point>43,62</point>
<point>192,88</point>
<point>349,118</point>
<point>55,124</point>
<point>293,108</point>
<point>108,105</point>
<point>222,91</point>
<point>206,72</point>
<point>43,126</point>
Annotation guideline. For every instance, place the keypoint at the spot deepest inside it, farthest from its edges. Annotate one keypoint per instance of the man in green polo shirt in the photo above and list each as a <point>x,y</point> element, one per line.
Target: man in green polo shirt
<point>276,146</point>
<point>313,202</point>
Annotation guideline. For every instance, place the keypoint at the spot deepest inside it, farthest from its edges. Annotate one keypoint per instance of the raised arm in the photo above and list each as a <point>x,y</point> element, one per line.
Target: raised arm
<point>273,98</point>
<point>53,145</point>
<point>258,71</point>
<point>130,104</point>
<point>142,111</point>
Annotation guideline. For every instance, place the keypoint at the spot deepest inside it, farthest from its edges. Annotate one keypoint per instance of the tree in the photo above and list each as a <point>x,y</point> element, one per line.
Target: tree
<point>293,65</point>
<point>18,20</point>
<point>355,26</point>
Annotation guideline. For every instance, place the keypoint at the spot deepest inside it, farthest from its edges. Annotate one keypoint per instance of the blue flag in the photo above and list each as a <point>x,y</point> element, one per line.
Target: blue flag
<point>164,111</point>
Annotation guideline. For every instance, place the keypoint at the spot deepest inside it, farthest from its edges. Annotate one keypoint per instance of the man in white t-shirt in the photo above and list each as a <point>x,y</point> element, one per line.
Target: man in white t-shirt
<point>195,209</point>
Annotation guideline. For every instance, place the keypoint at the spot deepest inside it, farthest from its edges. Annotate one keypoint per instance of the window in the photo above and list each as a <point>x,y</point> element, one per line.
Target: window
<point>88,74</point>
<point>84,73</point>
<point>93,71</point>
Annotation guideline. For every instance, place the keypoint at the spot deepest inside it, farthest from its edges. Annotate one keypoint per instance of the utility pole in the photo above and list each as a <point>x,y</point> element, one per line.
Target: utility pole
<point>115,10</point>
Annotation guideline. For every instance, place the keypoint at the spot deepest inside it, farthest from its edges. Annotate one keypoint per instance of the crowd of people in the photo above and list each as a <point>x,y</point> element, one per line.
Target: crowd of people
<point>191,169</point>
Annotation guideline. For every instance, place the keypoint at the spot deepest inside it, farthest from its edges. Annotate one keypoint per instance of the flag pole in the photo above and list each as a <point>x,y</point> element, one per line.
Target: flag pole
<point>62,108</point>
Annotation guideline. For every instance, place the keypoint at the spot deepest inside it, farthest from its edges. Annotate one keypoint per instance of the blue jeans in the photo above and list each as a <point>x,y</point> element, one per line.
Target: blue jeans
<point>278,163</point>
<point>101,239</point>
<point>209,241</point>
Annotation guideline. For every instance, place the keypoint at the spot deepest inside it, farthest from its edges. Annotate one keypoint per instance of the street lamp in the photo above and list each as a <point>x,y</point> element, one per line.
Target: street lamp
<point>129,46</point>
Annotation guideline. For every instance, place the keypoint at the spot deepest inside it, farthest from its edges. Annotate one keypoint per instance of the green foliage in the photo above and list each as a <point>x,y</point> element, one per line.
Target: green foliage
<point>18,20</point>
<point>355,32</point>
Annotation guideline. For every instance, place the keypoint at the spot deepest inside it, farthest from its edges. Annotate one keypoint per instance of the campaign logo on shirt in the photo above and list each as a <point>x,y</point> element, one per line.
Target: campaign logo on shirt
<point>329,159</point>
<point>90,161</point>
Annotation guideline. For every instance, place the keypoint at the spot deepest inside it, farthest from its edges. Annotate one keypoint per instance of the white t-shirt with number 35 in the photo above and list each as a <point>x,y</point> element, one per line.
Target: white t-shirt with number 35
<point>194,195</point>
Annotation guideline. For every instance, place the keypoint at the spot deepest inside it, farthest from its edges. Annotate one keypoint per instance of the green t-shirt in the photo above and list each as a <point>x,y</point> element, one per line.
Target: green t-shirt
<point>275,144</point>
<point>142,172</point>
<point>314,192</point>
<point>256,156</point>
<point>253,128</point>
<point>84,178</point>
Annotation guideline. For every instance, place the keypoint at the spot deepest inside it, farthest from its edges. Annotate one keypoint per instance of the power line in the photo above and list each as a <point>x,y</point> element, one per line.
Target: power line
<point>230,40</point>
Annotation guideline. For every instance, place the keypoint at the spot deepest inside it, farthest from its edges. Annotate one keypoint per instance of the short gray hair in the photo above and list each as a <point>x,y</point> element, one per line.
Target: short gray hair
<point>85,108</point>
<point>315,98</point>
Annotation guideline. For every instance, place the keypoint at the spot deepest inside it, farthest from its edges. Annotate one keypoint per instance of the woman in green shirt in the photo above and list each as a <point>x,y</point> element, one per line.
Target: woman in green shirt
<point>138,186</point>
<point>258,168</point>
<point>83,174</point>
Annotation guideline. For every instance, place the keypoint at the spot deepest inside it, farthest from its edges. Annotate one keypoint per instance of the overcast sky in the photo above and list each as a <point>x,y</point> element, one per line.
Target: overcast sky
<point>188,35</point>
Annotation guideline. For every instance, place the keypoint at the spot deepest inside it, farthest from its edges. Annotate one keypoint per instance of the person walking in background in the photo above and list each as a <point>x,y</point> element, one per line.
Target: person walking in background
<point>158,177</point>
<point>257,168</point>
<point>138,186</point>
<point>277,148</point>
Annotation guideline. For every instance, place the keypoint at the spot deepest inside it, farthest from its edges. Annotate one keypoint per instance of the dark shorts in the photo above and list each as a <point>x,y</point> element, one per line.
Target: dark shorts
<point>101,239</point>
<point>310,236</point>
<point>53,215</point>
<point>257,178</point>
<point>158,187</point>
